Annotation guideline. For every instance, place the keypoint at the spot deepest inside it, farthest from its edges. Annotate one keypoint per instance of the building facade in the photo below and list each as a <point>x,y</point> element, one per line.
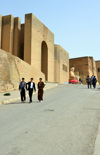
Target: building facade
<point>98,70</point>
<point>84,66</point>
<point>61,70</point>
<point>33,42</point>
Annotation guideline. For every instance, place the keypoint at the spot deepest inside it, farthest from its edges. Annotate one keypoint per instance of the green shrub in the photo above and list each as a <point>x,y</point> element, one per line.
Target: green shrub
<point>7,94</point>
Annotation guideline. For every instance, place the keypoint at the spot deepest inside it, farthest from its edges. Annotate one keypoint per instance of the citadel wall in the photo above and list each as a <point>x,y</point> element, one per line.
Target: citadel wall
<point>85,66</point>
<point>98,69</point>
<point>7,33</point>
<point>61,70</point>
<point>33,42</point>
<point>39,46</point>
<point>0,29</point>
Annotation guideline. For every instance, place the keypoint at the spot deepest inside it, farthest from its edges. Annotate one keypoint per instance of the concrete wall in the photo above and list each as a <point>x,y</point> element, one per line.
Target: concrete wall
<point>34,35</point>
<point>85,66</point>
<point>61,69</point>
<point>98,69</point>
<point>7,33</point>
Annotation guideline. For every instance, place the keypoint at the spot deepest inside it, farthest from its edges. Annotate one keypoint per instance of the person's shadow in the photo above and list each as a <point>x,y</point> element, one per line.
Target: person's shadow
<point>20,103</point>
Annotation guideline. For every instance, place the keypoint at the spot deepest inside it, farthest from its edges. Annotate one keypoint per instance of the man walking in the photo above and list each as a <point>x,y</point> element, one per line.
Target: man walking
<point>30,86</point>
<point>88,80</point>
<point>94,81</point>
<point>22,88</point>
<point>40,90</point>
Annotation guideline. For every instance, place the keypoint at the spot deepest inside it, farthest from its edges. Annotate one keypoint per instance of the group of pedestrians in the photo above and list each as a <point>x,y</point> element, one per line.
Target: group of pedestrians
<point>91,81</point>
<point>30,86</point>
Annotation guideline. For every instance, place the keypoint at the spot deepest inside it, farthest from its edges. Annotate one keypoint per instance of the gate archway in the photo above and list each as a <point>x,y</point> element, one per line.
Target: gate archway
<point>44,59</point>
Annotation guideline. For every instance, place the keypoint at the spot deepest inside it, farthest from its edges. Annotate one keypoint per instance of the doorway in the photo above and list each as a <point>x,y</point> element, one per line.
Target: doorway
<point>44,59</point>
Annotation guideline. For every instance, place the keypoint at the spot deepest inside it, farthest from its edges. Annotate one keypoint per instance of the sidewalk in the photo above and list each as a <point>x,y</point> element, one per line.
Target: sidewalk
<point>15,95</point>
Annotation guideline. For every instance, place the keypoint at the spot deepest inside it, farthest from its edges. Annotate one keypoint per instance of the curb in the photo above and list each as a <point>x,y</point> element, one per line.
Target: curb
<point>97,143</point>
<point>18,98</point>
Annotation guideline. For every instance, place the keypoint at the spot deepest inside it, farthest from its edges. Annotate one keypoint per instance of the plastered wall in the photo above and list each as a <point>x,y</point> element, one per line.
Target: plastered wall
<point>85,66</point>
<point>61,69</point>
<point>36,33</point>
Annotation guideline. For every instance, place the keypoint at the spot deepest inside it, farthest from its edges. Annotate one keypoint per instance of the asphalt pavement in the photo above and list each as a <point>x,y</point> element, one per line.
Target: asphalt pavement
<point>65,123</point>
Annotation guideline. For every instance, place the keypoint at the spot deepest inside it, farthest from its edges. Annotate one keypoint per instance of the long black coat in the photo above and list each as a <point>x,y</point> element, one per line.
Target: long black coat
<point>28,86</point>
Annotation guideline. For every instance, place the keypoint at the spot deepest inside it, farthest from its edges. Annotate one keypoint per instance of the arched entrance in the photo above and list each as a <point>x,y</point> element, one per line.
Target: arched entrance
<point>44,59</point>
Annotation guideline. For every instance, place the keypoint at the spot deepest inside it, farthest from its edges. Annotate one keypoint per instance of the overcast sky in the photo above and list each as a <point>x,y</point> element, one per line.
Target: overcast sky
<point>75,23</point>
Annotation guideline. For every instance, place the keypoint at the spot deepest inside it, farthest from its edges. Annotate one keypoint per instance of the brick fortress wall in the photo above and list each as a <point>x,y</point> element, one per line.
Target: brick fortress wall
<point>85,66</point>
<point>33,42</point>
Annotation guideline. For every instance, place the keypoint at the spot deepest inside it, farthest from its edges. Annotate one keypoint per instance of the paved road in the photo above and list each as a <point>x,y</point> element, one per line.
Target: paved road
<point>66,123</point>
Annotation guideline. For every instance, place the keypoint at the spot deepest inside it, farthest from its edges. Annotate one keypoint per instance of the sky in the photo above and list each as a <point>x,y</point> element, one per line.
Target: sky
<point>75,23</point>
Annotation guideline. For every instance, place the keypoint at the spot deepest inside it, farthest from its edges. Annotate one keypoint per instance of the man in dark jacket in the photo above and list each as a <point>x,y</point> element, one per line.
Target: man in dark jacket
<point>40,90</point>
<point>94,81</point>
<point>30,87</point>
<point>22,88</point>
<point>88,80</point>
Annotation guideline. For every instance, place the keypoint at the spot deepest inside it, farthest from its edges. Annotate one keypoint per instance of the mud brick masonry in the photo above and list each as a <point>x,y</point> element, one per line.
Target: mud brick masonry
<point>85,66</point>
<point>28,50</point>
<point>32,45</point>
